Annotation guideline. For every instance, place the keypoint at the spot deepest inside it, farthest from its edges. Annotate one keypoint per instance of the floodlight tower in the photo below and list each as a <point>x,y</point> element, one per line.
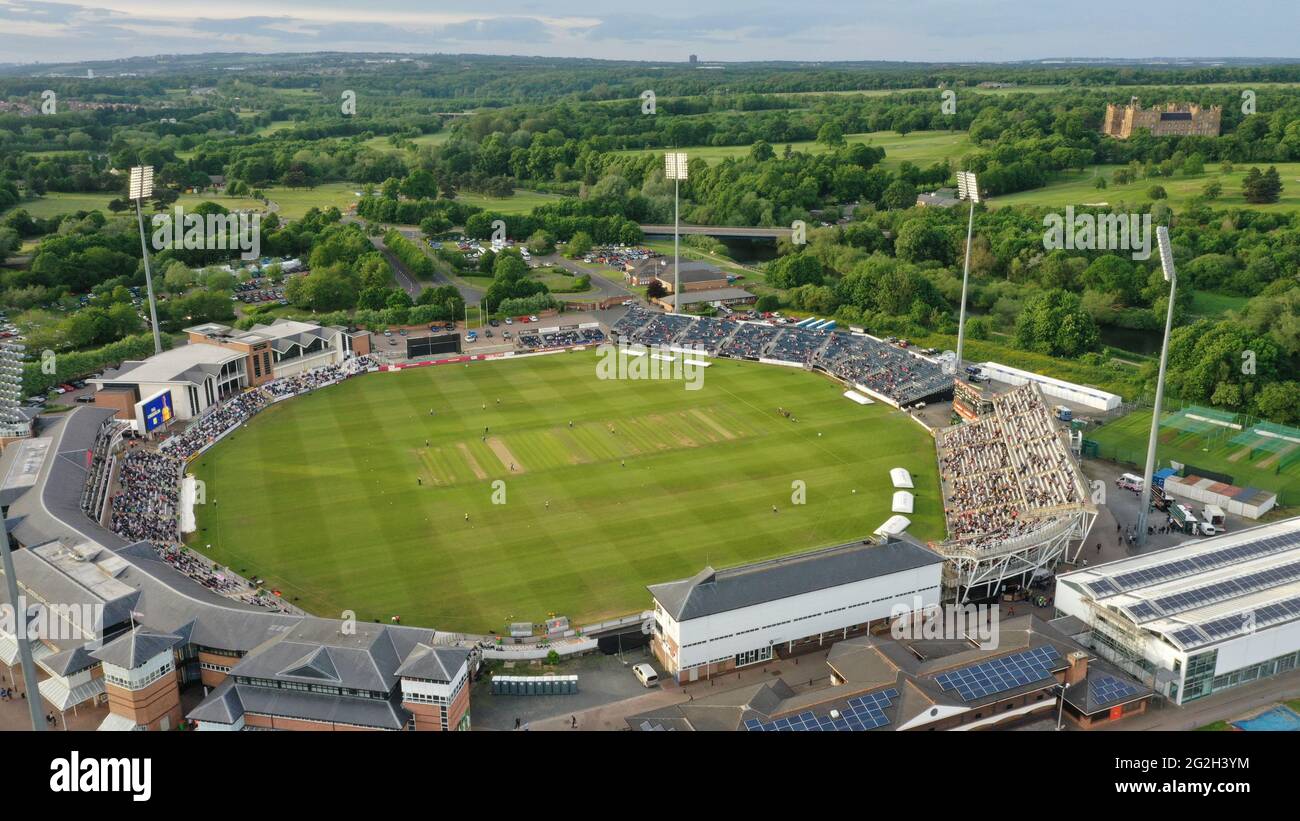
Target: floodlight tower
<point>10,389</point>
<point>675,170</point>
<point>142,189</point>
<point>1171,276</point>
<point>967,189</point>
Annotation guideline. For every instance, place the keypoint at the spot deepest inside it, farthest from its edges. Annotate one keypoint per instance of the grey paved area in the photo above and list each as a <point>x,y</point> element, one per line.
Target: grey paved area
<point>602,681</point>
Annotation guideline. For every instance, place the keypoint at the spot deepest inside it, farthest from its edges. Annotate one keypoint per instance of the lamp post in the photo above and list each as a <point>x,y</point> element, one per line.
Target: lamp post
<point>1171,276</point>
<point>142,189</point>
<point>967,189</point>
<point>20,630</point>
<point>675,170</point>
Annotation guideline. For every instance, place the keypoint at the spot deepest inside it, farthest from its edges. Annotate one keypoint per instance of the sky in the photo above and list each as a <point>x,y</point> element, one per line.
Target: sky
<point>913,30</point>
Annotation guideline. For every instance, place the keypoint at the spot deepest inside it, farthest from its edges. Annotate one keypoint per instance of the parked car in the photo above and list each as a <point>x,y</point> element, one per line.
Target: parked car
<point>645,674</point>
<point>509,321</point>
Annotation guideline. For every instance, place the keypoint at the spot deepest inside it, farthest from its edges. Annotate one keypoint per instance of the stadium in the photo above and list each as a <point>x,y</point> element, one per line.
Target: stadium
<point>487,490</point>
<point>257,509</point>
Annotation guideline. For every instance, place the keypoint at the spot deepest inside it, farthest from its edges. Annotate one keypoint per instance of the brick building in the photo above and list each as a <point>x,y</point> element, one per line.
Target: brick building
<point>1174,120</point>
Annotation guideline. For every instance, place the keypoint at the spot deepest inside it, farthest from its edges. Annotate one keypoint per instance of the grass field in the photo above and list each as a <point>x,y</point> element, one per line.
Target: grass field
<point>522,202</point>
<point>381,143</point>
<point>318,495</point>
<point>1078,187</point>
<point>921,148</point>
<point>1125,440</point>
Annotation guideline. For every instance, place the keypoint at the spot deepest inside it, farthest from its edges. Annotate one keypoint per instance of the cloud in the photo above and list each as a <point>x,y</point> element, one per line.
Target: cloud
<point>918,30</point>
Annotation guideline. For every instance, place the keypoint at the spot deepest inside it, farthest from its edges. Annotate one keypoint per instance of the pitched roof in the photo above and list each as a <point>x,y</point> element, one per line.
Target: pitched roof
<point>132,649</point>
<point>718,591</point>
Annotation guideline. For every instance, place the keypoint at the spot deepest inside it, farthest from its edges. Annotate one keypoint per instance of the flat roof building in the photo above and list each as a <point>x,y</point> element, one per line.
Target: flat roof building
<point>1197,618</point>
<point>721,620</point>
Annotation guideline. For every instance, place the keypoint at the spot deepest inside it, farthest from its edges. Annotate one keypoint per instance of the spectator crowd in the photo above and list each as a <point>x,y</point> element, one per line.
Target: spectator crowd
<point>147,503</point>
<point>1007,473</point>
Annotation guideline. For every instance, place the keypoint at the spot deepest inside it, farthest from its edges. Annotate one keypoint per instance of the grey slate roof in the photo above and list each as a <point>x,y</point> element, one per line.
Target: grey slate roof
<point>222,705</point>
<point>134,648</point>
<point>718,591</point>
<point>433,663</point>
<point>316,651</point>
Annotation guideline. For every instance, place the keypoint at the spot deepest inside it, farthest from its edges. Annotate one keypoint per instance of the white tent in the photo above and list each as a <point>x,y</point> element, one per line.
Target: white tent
<point>901,477</point>
<point>902,501</point>
<point>893,526</point>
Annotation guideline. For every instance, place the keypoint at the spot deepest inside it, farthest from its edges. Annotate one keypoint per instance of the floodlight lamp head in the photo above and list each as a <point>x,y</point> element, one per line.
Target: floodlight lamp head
<point>141,182</point>
<point>967,186</point>
<point>675,167</point>
<point>1166,253</point>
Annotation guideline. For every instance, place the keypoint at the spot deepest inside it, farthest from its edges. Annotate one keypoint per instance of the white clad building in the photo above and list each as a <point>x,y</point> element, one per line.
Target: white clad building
<point>1084,395</point>
<point>719,620</point>
<point>1198,618</point>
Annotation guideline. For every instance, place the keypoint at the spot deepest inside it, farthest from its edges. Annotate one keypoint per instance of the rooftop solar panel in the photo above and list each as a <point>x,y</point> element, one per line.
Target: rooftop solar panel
<point>1107,688</point>
<point>864,712</point>
<point>1001,674</point>
<point>1222,557</point>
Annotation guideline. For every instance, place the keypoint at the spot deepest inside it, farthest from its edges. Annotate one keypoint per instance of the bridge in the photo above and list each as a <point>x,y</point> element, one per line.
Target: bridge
<point>735,231</point>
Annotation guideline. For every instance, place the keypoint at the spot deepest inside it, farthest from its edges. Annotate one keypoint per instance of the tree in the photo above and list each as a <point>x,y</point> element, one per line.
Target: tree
<point>920,240</point>
<point>656,290</point>
<point>794,270</point>
<point>1055,323</point>
<point>831,135</point>
<point>899,195</point>
<point>542,242</point>
<point>767,303</point>
<point>1212,190</point>
<point>579,245</point>
<point>1262,188</point>
<point>1157,192</point>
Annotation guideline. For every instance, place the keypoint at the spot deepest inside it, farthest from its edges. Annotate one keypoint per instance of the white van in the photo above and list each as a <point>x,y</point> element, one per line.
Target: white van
<point>1214,515</point>
<point>1129,482</point>
<point>645,674</point>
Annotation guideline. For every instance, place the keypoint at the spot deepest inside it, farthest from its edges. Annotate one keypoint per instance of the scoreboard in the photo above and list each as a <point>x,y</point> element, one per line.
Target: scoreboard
<point>418,347</point>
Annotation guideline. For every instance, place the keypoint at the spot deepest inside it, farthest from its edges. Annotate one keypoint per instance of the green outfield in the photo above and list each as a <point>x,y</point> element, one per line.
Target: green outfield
<point>319,495</point>
<point>1125,441</point>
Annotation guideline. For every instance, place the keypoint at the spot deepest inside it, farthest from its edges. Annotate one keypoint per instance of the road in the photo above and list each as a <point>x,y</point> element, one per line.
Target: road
<point>601,287</point>
<point>413,286</point>
<point>718,231</point>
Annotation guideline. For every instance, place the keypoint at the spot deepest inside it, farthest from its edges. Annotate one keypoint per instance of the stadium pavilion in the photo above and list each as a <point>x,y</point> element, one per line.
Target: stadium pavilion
<point>721,620</point>
<point>219,362</point>
<point>1197,618</point>
<point>134,631</point>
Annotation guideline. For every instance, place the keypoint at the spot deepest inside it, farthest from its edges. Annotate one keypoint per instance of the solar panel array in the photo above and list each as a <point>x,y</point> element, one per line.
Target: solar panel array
<point>1245,621</point>
<point>1104,689</point>
<point>1178,568</point>
<point>1102,588</point>
<point>1222,590</point>
<point>862,713</point>
<point>1000,674</point>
